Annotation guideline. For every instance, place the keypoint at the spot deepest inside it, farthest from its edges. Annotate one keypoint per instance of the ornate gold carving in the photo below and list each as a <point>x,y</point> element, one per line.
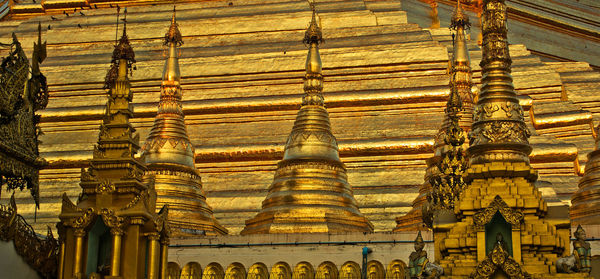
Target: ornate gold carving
<point>375,270</point>
<point>20,98</point>
<point>351,270</point>
<point>484,216</point>
<point>105,187</point>
<point>499,259</point>
<point>303,270</point>
<point>40,254</point>
<point>498,117</point>
<point>500,132</point>
<point>193,270</point>
<point>111,220</point>
<point>123,50</point>
<point>327,270</point>
<point>173,35</point>
<point>396,270</point>
<point>235,271</point>
<point>214,271</point>
<point>258,271</point>
<point>281,270</point>
<point>83,221</point>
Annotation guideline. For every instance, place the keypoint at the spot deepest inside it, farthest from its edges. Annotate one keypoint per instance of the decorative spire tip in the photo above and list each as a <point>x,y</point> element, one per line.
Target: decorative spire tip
<point>313,33</point>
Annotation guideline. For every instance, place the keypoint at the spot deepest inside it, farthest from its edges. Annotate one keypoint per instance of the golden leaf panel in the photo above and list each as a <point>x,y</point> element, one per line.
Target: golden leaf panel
<point>386,85</point>
<point>395,269</point>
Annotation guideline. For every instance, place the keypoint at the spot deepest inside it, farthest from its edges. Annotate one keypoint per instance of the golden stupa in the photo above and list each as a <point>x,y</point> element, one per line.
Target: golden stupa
<point>501,226</point>
<point>310,191</point>
<point>114,231</point>
<point>169,154</point>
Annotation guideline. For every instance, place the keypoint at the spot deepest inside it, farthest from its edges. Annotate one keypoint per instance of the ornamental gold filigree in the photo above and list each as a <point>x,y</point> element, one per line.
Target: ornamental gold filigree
<point>484,216</point>
<point>111,220</point>
<point>105,187</point>
<point>20,98</point>
<point>83,221</point>
<point>500,132</point>
<point>40,254</point>
<point>499,259</point>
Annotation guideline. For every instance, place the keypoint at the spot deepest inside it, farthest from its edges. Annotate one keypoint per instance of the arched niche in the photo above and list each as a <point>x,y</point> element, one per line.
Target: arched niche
<point>498,230</point>
<point>375,270</point>
<point>98,249</point>
<point>235,271</point>
<point>396,270</point>
<point>191,270</point>
<point>304,270</point>
<point>173,270</point>
<point>258,271</point>
<point>213,271</point>
<point>281,270</point>
<point>494,220</point>
<point>327,270</point>
<point>350,270</point>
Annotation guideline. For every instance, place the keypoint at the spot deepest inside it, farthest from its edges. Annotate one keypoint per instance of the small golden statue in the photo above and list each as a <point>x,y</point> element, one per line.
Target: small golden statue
<point>500,242</point>
<point>581,259</point>
<point>582,251</point>
<point>417,259</point>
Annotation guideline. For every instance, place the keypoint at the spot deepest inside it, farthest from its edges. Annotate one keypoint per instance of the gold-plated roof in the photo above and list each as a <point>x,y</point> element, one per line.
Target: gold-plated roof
<point>310,191</point>
<point>169,154</point>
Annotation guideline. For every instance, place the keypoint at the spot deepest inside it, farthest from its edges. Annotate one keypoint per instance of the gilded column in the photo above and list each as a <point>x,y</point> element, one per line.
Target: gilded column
<point>310,191</point>
<point>169,154</point>
<point>164,253</point>
<point>115,267</point>
<point>153,255</point>
<point>78,261</point>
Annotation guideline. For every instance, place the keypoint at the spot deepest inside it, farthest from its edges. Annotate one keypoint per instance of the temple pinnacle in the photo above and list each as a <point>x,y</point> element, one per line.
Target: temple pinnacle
<point>499,132</point>
<point>310,191</point>
<point>169,154</point>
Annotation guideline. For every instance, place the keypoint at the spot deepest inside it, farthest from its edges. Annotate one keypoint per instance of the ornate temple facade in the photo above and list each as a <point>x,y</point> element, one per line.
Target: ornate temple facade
<point>397,129</point>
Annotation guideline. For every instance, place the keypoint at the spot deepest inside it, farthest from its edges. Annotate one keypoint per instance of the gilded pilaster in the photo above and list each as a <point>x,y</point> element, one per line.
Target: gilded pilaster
<point>310,191</point>
<point>169,154</point>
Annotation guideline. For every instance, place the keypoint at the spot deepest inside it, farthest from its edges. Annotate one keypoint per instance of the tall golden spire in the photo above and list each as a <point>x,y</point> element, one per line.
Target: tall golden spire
<point>499,132</point>
<point>310,191</point>
<point>117,203</point>
<point>500,202</point>
<point>169,154</point>
<point>443,177</point>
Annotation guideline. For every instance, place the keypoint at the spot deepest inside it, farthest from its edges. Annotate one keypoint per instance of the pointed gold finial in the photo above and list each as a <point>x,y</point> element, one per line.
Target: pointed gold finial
<point>122,51</point>
<point>419,238</point>
<point>173,39</point>
<point>313,34</point>
<point>499,132</point>
<point>173,35</point>
<point>459,18</point>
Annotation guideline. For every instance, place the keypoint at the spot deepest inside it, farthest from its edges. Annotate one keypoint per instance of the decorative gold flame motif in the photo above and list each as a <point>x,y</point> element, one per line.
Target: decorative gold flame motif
<point>310,191</point>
